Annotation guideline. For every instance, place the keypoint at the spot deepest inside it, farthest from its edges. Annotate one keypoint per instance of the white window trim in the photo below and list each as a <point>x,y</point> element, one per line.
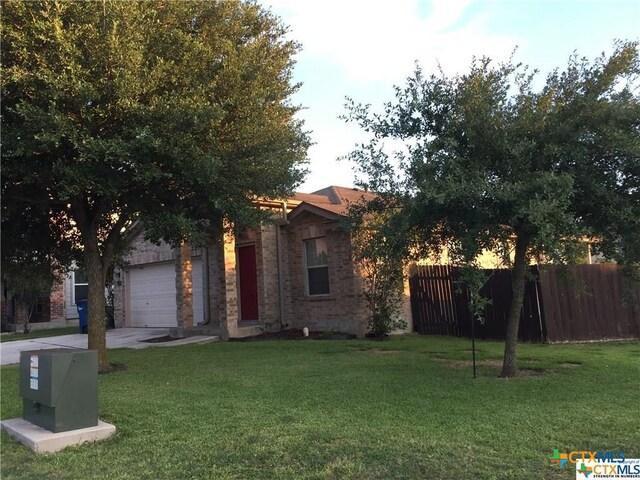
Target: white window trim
<point>307,267</point>
<point>73,286</point>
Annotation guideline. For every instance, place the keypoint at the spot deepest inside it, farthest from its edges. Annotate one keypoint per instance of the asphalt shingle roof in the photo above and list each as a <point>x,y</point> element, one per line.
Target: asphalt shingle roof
<point>334,199</point>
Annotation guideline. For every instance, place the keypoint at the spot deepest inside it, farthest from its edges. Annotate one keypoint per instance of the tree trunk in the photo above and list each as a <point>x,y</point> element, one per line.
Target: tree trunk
<point>509,365</point>
<point>97,326</point>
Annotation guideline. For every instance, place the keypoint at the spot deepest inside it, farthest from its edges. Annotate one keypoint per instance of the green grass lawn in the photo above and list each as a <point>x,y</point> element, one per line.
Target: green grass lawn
<point>52,332</point>
<point>407,408</point>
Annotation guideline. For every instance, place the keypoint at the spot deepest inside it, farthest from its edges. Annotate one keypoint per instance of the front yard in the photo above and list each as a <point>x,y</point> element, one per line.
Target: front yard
<point>405,408</point>
<point>53,332</point>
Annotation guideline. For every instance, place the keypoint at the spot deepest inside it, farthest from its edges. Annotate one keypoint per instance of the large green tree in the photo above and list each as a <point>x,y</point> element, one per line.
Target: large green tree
<point>178,113</point>
<point>491,162</point>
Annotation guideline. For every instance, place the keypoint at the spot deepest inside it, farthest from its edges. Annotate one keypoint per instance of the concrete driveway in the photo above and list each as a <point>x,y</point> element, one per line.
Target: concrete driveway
<point>118,338</point>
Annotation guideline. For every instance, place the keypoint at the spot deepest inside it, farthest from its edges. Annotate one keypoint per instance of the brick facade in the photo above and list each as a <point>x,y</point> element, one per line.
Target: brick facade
<point>283,300</point>
<point>267,270</point>
<point>184,286</point>
<point>228,298</point>
<point>56,305</point>
<point>344,309</point>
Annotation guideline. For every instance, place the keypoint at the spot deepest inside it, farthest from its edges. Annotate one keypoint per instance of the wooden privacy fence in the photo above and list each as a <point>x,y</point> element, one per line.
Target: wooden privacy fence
<point>581,302</point>
<point>589,302</point>
<point>440,305</point>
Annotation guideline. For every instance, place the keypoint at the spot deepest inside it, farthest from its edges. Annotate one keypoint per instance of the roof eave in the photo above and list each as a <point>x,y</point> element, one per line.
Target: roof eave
<point>316,210</point>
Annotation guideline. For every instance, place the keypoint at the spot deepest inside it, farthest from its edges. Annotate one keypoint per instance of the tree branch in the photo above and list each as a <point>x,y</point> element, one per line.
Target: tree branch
<point>110,242</point>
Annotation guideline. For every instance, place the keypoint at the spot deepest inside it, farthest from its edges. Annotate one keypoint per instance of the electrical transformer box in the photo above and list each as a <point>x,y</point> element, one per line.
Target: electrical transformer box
<point>59,388</point>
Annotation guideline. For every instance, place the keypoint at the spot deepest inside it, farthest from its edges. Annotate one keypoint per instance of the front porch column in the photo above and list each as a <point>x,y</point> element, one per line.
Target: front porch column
<point>229,304</point>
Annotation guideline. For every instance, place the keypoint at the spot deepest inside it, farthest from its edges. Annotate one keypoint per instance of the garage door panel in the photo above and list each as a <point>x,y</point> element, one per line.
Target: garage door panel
<point>152,294</point>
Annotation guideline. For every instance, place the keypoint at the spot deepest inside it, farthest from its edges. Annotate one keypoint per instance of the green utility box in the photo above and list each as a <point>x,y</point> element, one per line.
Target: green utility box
<point>59,388</point>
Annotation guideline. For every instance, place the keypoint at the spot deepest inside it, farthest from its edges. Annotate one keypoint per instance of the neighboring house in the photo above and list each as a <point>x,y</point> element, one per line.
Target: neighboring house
<point>297,272</point>
<point>56,310</point>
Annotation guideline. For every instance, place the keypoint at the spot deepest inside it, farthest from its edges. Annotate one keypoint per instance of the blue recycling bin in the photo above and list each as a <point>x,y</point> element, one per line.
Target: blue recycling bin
<point>83,314</point>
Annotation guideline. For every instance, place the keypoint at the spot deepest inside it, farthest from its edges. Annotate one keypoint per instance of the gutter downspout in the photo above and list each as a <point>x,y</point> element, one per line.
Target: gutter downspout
<point>206,307</point>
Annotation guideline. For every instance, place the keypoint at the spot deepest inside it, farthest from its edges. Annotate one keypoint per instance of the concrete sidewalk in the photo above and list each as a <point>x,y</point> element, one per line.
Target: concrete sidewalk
<point>118,338</point>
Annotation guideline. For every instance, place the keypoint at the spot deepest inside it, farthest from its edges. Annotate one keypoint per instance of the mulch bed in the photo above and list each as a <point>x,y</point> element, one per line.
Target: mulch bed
<point>295,334</point>
<point>164,339</point>
<point>290,334</point>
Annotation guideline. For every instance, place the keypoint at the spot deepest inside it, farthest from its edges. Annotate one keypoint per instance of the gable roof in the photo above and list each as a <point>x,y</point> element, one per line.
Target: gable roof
<point>331,202</point>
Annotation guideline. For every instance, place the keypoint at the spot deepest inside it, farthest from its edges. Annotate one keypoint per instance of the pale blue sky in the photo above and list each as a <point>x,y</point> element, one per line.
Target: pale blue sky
<point>362,48</point>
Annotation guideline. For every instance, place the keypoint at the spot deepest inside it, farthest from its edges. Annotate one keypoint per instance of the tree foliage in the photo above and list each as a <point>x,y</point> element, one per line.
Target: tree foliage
<point>174,112</point>
<point>489,162</point>
<point>381,263</point>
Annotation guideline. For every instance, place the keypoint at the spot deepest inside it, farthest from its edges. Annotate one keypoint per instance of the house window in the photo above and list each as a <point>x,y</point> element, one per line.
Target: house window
<point>316,264</point>
<point>80,286</point>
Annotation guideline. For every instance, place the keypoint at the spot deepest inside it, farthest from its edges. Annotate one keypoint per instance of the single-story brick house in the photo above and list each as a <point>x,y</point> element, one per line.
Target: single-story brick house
<point>297,272</point>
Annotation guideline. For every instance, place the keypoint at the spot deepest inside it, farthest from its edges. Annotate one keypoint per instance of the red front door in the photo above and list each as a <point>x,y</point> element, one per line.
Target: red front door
<point>248,283</point>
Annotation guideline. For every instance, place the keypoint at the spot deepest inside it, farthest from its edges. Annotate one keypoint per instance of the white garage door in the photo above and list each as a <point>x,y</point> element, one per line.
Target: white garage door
<point>152,295</point>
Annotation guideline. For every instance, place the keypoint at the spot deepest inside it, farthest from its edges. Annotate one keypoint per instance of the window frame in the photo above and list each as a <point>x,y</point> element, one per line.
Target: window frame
<point>74,284</point>
<point>308,267</point>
